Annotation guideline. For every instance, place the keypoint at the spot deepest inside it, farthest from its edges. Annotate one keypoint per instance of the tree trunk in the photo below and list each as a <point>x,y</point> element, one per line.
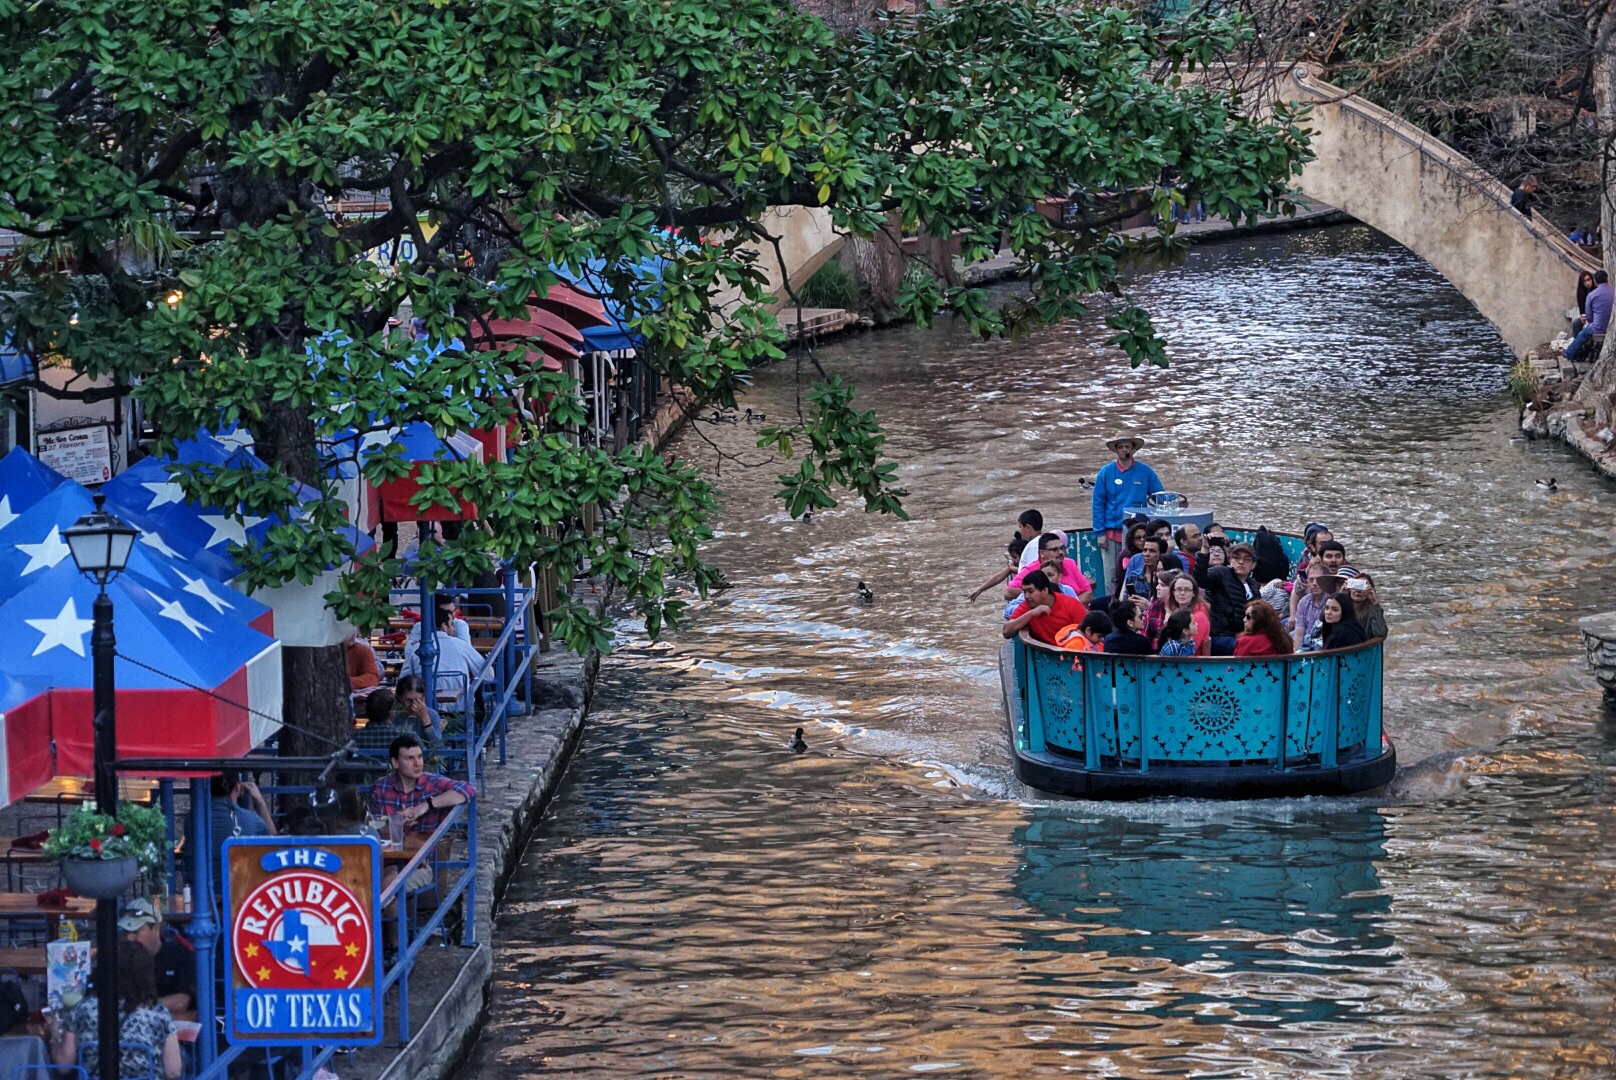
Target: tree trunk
<point>318,700</point>
<point>878,267</point>
<point>1601,381</point>
<point>315,692</point>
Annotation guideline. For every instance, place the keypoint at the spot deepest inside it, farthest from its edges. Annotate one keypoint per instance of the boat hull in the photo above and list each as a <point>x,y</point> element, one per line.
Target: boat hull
<point>1063,775</point>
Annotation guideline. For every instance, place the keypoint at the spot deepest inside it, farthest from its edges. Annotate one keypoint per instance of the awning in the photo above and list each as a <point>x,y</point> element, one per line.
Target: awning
<point>14,366</point>
<point>190,682</point>
<point>25,739</point>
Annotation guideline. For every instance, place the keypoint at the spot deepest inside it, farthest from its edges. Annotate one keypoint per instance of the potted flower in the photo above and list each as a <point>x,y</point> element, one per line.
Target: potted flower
<point>100,854</point>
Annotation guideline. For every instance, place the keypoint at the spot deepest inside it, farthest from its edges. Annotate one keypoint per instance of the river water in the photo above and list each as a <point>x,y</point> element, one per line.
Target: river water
<point>700,902</point>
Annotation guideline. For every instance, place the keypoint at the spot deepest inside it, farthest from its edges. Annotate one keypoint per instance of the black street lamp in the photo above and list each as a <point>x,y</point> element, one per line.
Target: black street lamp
<point>100,543</point>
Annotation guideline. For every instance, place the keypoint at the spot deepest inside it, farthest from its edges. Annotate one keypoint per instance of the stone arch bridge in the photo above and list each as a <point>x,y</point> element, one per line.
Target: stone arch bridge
<point>1519,273</point>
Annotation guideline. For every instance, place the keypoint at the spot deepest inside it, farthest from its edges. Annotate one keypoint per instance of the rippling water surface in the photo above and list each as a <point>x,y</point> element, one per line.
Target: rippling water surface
<point>699,902</point>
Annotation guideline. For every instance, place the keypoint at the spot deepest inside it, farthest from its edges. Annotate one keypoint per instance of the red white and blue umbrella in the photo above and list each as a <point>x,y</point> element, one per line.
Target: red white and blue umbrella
<point>25,738</point>
<point>24,480</point>
<point>191,682</point>
<point>148,497</point>
<point>34,544</point>
<point>418,444</point>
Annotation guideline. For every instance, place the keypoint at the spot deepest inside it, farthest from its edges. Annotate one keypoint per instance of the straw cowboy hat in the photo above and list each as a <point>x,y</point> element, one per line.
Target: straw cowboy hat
<point>1111,443</point>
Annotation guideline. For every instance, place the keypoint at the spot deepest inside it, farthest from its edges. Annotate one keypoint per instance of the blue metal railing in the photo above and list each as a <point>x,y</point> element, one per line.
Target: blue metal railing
<point>1083,547</point>
<point>1132,712</point>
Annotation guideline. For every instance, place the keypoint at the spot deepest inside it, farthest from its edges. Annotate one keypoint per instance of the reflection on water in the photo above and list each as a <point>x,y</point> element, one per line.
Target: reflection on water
<point>1231,898</point>
<point>701,902</point>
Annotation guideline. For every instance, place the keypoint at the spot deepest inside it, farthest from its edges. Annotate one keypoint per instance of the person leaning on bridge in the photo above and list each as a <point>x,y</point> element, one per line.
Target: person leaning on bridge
<point>1524,197</point>
<point>1597,314</point>
<point>1120,484</point>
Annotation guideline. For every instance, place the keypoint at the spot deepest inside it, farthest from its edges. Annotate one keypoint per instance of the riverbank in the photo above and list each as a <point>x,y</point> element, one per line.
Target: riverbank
<point>1555,411</point>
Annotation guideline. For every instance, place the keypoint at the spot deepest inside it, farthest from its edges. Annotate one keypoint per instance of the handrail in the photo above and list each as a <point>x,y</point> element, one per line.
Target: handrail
<point>1462,166</point>
<point>428,847</point>
<point>1044,646</point>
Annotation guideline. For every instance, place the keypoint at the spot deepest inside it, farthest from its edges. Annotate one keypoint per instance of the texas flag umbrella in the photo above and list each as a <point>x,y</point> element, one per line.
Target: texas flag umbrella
<point>147,496</point>
<point>190,681</point>
<point>419,445</point>
<point>24,480</point>
<point>34,544</point>
<point>25,738</point>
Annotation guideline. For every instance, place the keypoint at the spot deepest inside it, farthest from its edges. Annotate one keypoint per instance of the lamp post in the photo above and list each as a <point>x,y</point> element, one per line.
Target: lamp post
<point>100,543</point>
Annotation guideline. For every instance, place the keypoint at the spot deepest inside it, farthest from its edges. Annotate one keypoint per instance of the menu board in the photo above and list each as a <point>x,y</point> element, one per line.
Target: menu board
<point>83,454</point>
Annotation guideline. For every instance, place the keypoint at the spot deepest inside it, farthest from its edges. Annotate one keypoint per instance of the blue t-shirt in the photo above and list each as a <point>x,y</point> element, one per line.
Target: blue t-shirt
<point>1598,307</point>
<point>1115,491</point>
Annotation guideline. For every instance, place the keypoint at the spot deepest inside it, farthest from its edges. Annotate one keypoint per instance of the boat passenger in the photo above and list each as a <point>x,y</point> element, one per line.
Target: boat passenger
<point>1367,605</point>
<point>1119,484</point>
<point>1187,538</point>
<point>1340,620</point>
<point>1128,638</point>
<point>1214,552</point>
<point>1029,527</point>
<point>1141,583</point>
<point>1044,611</point>
<point>1052,560</point>
<point>1012,559</point>
<point>1263,634</point>
<point>1156,611</point>
<point>1134,544</point>
<point>1178,634</point>
<point>1333,554</point>
<point>1185,594</point>
<point>1229,589</point>
<point>1095,628</point>
<point>1316,533</point>
<point>1305,620</point>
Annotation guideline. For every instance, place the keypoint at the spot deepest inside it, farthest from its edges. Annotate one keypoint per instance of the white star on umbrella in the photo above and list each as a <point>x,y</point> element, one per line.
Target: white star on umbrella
<point>7,516</point>
<point>228,528</point>
<point>67,630</point>
<point>47,553</point>
<point>199,587</point>
<point>154,540</point>
<point>163,493</point>
<point>176,611</point>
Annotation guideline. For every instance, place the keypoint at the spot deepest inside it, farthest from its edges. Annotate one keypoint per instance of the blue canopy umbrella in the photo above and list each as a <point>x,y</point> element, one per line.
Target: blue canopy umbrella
<point>618,336</point>
<point>35,545</point>
<point>148,497</point>
<point>24,480</point>
<point>14,366</point>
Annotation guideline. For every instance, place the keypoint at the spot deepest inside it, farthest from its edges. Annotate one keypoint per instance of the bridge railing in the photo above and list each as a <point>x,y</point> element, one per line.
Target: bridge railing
<point>1462,167</point>
<point>1130,713</point>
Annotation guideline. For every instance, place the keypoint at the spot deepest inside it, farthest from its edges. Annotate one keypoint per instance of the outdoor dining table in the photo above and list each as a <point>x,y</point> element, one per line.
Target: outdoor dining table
<point>26,905</point>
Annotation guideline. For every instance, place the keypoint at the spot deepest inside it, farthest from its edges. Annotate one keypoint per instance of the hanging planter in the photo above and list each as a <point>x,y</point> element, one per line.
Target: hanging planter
<point>101,855</point>
<point>100,879</point>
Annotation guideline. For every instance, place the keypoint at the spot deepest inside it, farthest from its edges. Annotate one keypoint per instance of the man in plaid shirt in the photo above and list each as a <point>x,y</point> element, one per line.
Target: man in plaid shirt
<point>422,797</point>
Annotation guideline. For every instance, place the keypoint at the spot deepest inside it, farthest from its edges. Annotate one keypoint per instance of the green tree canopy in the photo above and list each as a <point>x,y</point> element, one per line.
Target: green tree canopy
<point>200,147</point>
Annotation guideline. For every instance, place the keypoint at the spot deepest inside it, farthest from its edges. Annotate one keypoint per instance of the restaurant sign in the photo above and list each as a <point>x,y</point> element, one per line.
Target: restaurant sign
<point>304,966</point>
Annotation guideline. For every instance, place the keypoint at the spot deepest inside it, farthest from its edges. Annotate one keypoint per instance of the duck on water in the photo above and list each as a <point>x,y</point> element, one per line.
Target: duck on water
<point>1270,688</point>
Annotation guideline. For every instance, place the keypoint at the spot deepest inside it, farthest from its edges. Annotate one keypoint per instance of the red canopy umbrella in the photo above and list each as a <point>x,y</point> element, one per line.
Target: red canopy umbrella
<point>538,323</point>
<point>554,346</point>
<point>572,305</point>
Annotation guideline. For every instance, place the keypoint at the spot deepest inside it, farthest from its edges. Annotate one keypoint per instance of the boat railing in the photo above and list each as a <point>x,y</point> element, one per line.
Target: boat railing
<point>1083,548</point>
<point>1132,713</point>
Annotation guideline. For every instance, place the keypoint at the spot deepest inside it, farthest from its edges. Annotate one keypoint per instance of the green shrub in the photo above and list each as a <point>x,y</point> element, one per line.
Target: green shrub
<point>1522,383</point>
<point>831,287</point>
